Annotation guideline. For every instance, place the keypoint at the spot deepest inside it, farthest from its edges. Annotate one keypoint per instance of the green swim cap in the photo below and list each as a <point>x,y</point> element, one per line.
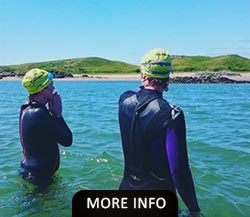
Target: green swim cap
<point>36,80</point>
<point>156,64</point>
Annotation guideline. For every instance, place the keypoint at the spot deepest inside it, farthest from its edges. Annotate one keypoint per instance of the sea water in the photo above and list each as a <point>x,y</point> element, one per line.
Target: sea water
<point>218,137</point>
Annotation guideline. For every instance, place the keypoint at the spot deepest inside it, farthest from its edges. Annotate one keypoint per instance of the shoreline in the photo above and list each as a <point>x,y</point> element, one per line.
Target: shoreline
<point>130,77</point>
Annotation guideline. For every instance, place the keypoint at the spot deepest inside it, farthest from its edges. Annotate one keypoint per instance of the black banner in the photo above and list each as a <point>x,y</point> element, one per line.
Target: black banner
<point>124,203</point>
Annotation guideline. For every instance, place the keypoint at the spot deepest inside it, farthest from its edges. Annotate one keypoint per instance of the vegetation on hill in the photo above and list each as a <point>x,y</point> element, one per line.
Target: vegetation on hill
<point>201,63</point>
<point>89,65</point>
<point>95,65</point>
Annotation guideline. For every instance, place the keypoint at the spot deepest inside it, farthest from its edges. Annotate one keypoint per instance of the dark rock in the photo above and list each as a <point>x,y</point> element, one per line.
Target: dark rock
<point>61,74</point>
<point>207,77</point>
<point>84,76</point>
<point>204,80</point>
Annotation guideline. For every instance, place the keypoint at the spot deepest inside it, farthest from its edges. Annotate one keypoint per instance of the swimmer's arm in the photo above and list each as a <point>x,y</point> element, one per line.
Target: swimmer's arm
<point>58,129</point>
<point>62,132</point>
<point>178,162</point>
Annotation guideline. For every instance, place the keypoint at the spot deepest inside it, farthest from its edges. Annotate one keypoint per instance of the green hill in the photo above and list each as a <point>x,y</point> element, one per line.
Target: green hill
<point>89,65</point>
<point>95,65</point>
<point>201,63</point>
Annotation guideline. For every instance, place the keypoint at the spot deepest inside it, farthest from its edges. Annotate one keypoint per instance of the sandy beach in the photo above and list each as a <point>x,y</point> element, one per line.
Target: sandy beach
<point>240,77</point>
<point>131,77</point>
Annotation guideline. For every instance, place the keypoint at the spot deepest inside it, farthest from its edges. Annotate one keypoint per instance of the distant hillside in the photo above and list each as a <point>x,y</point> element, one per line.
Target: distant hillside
<point>201,63</point>
<point>89,65</point>
<point>95,65</point>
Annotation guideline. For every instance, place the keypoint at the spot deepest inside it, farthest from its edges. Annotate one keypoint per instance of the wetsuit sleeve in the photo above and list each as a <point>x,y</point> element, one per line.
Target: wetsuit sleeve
<point>178,162</point>
<point>61,132</point>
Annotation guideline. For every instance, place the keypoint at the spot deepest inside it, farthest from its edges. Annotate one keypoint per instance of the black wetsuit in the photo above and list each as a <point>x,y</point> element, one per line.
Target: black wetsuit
<point>40,134</point>
<point>153,137</point>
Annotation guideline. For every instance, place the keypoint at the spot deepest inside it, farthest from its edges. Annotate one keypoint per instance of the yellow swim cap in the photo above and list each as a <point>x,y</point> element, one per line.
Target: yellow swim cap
<point>36,80</point>
<point>156,63</point>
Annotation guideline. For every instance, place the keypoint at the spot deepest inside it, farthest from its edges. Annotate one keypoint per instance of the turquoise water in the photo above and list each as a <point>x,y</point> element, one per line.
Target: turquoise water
<point>218,132</point>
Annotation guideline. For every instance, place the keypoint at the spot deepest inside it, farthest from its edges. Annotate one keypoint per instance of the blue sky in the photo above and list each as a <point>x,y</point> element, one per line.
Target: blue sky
<point>43,30</point>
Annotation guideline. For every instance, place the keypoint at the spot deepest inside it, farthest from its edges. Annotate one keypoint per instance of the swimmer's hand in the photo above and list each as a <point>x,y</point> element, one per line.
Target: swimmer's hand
<point>55,105</point>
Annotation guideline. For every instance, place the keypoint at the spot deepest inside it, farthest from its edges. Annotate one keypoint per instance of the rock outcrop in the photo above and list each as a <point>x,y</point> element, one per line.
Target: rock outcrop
<point>208,77</point>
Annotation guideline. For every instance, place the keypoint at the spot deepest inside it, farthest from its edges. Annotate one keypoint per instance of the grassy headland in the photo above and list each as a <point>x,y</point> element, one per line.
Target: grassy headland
<point>89,65</point>
<point>233,63</point>
<point>96,65</point>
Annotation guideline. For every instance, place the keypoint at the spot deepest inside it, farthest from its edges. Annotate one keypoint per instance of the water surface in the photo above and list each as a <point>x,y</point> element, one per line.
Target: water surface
<point>218,123</point>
